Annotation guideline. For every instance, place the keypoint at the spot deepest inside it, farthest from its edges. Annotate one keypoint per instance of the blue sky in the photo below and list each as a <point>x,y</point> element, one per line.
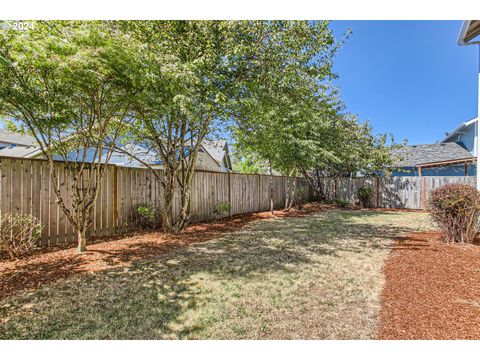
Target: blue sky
<point>409,78</point>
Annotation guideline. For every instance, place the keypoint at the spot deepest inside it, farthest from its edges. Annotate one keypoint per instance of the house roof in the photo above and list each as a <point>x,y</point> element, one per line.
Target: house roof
<point>216,148</point>
<point>469,31</point>
<point>16,138</point>
<point>20,151</point>
<point>139,152</point>
<point>414,155</point>
<point>116,158</point>
<point>459,128</point>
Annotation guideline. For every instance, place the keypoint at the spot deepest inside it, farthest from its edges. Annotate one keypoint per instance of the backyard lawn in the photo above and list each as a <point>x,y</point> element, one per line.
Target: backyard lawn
<point>317,276</point>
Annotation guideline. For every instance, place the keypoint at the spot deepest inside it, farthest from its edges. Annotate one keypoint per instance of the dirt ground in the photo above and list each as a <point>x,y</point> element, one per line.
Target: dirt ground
<point>53,264</point>
<point>432,290</point>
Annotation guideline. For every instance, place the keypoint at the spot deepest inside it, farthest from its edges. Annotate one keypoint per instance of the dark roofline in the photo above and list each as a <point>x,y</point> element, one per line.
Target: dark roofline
<point>447,162</point>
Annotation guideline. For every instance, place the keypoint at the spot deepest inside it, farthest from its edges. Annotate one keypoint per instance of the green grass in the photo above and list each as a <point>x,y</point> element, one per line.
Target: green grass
<point>317,276</point>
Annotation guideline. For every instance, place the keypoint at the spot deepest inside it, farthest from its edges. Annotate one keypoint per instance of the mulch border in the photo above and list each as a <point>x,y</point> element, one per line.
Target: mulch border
<point>432,290</point>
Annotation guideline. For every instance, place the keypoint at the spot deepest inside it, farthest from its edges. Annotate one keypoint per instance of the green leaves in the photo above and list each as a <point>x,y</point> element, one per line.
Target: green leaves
<point>5,62</point>
<point>292,116</point>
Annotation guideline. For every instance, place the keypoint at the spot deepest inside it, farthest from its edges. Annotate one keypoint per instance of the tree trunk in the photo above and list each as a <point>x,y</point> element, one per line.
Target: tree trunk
<point>166,213</point>
<point>292,195</point>
<point>287,194</point>
<point>82,240</point>
<point>271,188</point>
<point>184,217</point>
<point>316,185</point>
<point>169,190</point>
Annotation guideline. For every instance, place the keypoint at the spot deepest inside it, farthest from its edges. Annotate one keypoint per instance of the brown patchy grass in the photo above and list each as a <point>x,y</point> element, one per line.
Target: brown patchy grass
<point>311,277</point>
<point>49,265</point>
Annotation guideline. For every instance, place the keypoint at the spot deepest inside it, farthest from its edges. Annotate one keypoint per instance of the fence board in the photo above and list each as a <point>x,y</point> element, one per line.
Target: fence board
<point>61,214</point>
<point>409,192</point>
<point>26,188</point>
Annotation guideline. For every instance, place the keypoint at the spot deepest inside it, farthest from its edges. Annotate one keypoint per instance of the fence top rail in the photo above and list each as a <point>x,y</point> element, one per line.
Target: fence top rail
<point>394,177</point>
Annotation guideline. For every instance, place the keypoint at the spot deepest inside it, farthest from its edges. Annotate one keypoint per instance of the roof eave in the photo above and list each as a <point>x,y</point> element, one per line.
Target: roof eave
<point>458,128</point>
<point>464,38</point>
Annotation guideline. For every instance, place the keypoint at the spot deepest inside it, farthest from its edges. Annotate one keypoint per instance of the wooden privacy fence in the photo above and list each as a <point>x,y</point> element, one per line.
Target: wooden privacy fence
<point>26,188</point>
<point>409,192</point>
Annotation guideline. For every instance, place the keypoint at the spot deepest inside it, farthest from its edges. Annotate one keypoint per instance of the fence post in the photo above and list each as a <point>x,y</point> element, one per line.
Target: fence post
<point>335,188</point>
<point>259,192</point>
<point>378,191</point>
<point>115,198</point>
<point>230,193</point>
<point>424,193</point>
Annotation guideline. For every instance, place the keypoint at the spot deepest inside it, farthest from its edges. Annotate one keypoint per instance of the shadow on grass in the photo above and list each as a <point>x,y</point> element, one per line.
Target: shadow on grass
<point>148,299</point>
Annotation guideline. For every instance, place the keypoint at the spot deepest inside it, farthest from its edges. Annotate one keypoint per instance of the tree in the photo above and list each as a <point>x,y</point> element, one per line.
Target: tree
<point>199,75</point>
<point>300,126</point>
<point>280,137</point>
<point>71,84</point>
<point>299,56</point>
<point>182,97</point>
<point>247,163</point>
<point>349,147</point>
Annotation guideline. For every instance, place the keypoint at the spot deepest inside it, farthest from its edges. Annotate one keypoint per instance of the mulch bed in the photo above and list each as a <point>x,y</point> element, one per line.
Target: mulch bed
<point>432,290</point>
<point>50,265</point>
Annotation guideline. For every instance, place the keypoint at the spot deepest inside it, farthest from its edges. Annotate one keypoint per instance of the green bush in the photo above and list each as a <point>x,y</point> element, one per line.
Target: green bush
<point>365,196</point>
<point>222,209</point>
<point>146,216</point>
<point>19,233</point>
<point>341,203</point>
<point>455,208</point>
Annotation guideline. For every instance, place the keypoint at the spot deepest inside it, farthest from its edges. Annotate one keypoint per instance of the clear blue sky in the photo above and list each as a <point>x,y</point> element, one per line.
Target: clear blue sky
<point>409,78</point>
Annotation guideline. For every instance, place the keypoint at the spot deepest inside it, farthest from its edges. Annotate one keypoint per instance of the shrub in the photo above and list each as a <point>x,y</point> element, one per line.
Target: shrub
<point>341,203</point>
<point>19,233</point>
<point>146,216</point>
<point>221,209</point>
<point>365,196</point>
<point>455,209</point>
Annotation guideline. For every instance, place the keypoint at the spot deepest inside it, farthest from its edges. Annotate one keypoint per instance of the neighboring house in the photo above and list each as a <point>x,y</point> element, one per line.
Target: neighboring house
<point>17,145</point>
<point>455,155</point>
<point>212,156</point>
<point>216,150</point>
<point>443,159</point>
<point>470,35</point>
<point>12,139</point>
<point>465,134</point>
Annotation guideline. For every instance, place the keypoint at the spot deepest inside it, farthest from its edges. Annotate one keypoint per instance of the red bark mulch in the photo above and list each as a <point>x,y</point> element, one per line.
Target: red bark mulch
<point>432,290</point>
<point>49,265</point>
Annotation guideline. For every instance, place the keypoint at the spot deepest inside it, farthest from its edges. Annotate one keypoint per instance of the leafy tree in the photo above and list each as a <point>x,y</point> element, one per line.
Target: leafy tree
<point>246,163</point>
<point>300,55</point>
<point>315,138</point>
<point>71,84</point>
<point>199,75</point>
<point>181,100</point>
<point>14,126</point>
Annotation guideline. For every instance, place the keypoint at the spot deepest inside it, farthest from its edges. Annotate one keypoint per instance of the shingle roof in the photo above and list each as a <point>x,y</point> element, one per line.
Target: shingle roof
<point>20,151</point>
<point>216,148</point>
<point>15,138</point>
<point>414,155</point>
